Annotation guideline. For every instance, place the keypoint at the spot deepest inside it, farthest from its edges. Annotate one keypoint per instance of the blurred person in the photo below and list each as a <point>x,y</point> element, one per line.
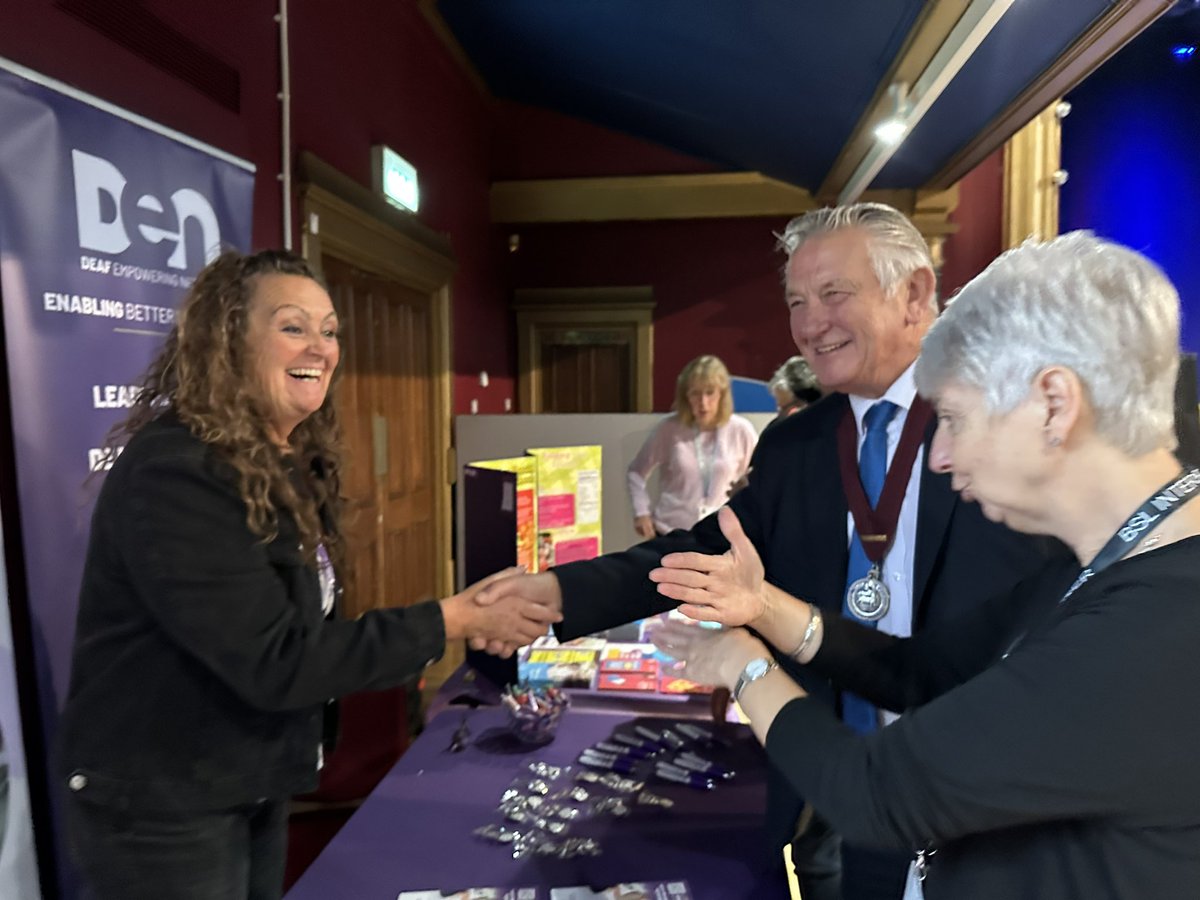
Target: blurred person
<point>1050,741</point>
<point>859,292</point>
<point>700,451</point>
<point>206,651</point>
<point>794,386</point>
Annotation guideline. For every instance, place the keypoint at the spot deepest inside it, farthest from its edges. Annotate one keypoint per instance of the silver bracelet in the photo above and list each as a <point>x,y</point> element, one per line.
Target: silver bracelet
<point>814,622</point>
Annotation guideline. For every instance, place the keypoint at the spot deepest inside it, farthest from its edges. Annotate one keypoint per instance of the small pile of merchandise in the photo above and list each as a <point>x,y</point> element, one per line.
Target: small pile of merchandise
<point>540,807</point>
<point>534,713</point>
<point>540,810</point>
<point>669,753</point>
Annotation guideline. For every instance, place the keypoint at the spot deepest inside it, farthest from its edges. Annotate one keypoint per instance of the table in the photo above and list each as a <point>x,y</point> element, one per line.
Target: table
<point>414,831</point>
<point>467,687</point>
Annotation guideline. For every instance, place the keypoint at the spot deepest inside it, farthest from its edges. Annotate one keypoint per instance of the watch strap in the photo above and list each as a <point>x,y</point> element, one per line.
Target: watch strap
<point>748,677</point>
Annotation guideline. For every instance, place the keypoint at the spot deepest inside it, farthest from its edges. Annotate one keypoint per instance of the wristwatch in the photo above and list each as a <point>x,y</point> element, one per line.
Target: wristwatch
<point>755,669</point>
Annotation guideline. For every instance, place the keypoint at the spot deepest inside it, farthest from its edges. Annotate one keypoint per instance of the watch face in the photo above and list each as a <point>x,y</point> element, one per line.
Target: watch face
<point>757,668</point>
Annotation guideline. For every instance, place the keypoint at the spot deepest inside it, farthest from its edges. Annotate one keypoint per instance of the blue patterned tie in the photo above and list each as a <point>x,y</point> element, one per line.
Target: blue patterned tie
<point>872,468</point>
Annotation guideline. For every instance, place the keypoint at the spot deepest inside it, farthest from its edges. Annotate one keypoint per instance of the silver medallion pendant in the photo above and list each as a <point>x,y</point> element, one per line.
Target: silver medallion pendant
<point>868,598</point>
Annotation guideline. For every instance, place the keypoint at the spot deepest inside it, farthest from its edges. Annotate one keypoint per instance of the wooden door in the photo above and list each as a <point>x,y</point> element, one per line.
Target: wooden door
<point>387,404</point>
<point>584,350</point>
<point>586,370</point>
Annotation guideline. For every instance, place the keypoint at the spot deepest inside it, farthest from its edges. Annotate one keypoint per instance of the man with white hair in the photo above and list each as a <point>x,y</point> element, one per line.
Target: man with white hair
<point>840,506</point>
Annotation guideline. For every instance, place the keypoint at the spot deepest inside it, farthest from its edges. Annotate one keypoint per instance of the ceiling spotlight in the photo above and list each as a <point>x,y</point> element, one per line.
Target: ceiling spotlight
<point>1183,52</point>
<point>890,131</point>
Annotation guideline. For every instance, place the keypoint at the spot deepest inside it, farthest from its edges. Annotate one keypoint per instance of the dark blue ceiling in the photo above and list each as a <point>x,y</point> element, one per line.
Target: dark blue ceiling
<point>774,86</point>
<point>1031,35</point>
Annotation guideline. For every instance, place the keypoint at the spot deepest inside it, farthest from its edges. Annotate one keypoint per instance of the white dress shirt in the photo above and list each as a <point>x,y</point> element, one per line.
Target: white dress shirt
<point>898,564</point>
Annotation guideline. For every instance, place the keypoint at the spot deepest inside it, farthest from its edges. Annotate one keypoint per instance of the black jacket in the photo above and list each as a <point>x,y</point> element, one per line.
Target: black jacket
<point>202,660</point>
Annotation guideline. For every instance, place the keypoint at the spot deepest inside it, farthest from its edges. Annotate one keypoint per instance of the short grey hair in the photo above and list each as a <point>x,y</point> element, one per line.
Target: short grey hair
<point>796,377</point>
<point>895,246</point>
<point>1104,311</point>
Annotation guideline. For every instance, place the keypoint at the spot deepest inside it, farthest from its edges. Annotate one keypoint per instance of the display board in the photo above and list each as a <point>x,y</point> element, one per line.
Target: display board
<point>521,503</point>
<point>568,504</point>
<point>619,436</point>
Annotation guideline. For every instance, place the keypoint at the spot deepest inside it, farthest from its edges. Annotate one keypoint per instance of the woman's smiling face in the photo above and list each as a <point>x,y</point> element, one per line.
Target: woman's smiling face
<point>292,345</point>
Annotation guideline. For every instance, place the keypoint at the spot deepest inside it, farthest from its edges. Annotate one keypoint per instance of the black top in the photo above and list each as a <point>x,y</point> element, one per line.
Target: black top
<point>1066,770</point>
<point>202,660</point>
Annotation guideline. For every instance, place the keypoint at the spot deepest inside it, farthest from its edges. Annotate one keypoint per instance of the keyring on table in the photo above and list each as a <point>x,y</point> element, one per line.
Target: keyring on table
<point>461,736</point>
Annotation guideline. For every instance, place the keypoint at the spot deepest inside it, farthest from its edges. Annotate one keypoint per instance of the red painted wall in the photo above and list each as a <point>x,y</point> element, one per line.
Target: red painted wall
<point>360,74</point>
<point>979,219</point>
<point>538,143</point>
<point>716,285</point>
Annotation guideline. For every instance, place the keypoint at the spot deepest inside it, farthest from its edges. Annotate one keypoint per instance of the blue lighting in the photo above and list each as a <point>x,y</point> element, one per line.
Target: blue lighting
<point>1183,52</point>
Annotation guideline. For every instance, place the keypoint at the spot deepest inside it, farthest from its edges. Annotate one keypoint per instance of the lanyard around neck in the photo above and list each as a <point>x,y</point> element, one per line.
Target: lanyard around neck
<point>706,462</point>
<point>1162,503</point>
<point>876,526</point>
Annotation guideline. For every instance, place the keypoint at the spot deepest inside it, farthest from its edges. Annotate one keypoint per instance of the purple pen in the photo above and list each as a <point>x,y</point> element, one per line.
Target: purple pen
<point>632,741</point>
<point>700,764</point>
<point>669,772</point>
<point>695,732</point>
<point>604,761</point>
<point>620,750</point>
<point>670,737</point>
<point>654,737</point>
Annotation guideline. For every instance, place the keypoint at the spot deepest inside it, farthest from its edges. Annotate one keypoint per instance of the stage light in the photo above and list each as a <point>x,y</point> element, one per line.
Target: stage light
<point>1183,52</point>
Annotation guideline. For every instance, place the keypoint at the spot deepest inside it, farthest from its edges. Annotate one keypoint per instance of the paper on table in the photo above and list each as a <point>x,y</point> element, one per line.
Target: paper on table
<point>634,890</point>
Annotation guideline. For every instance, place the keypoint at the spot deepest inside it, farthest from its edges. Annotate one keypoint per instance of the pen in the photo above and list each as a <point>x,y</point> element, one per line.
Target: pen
<point>669,772</point>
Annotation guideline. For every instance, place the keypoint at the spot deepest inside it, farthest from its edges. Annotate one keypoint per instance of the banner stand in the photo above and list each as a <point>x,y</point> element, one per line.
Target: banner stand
<point>105,219</point>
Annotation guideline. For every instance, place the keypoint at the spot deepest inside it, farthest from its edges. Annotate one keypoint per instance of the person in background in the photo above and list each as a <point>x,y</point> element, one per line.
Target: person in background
<point>794,386</point>
<point>701,450</point>
<point>859,293</point>
<point>1049,748</point>
<point>206,648</point>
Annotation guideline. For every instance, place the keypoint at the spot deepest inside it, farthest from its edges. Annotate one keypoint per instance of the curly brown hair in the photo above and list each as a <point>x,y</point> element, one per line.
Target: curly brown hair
<point>202,375</point>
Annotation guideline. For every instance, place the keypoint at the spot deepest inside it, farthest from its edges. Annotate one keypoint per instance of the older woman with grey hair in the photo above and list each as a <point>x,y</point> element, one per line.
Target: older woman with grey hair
<point>1050,739</point>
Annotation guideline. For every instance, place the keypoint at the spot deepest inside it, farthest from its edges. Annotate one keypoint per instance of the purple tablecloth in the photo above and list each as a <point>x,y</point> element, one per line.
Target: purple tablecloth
<point>414,831</point>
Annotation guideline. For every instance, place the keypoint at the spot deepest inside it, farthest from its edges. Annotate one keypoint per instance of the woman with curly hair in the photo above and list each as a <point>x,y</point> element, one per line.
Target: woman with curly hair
<point>206,651</point>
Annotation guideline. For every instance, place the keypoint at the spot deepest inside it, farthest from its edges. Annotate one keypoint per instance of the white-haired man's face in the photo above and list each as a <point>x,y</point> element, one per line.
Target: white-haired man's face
<point>857,338</point>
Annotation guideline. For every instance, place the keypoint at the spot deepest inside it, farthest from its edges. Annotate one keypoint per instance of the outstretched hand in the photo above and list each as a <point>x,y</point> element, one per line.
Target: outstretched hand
<point>710,655</point>
<point>728,588</point>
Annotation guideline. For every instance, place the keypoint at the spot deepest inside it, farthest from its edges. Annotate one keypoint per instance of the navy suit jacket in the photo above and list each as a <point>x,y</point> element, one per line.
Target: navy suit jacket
<point>794,511</point>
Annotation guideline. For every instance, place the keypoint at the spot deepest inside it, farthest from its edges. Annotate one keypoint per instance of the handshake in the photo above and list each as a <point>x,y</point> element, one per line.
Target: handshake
<point>503,611</point>
<point>510,608</point>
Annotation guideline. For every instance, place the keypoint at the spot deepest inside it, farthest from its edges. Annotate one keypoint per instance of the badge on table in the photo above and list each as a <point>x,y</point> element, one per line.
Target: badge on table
<point>868,597</point>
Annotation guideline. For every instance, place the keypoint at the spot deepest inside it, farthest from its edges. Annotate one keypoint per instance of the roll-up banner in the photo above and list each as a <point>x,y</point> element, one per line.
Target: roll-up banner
<point>105,219</point>
<point>18,863</point>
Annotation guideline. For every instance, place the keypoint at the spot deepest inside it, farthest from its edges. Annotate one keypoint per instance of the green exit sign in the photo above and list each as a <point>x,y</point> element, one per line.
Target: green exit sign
<point>395,178</point>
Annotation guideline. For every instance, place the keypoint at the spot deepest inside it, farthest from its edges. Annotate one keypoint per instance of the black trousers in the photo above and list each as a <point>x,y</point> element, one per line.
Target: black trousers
<point>235,854</point>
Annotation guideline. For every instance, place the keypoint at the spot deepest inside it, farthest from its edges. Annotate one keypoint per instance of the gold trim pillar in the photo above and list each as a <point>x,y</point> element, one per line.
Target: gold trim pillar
<point>1033,175</point>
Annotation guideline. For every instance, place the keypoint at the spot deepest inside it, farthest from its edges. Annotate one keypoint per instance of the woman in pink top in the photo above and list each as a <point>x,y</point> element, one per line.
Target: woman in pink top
<point>701,450</point>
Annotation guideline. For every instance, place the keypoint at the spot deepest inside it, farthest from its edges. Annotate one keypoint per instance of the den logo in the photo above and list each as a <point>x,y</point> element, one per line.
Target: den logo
<point>111,220</point>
